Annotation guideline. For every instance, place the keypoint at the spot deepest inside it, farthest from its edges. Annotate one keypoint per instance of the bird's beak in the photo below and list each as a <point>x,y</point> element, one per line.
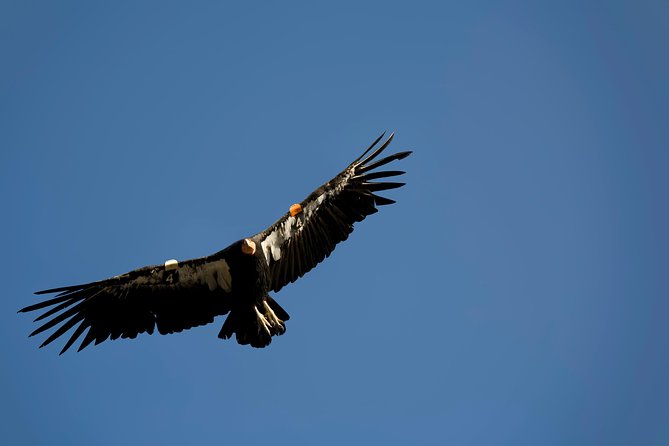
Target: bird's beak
<point>248,247</point>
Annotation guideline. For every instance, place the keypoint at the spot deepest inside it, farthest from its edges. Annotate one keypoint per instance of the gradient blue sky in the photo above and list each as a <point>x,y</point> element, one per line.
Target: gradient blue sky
<point>516,294</point>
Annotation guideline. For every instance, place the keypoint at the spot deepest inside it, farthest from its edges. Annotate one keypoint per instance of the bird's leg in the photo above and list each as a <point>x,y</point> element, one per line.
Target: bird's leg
<point>262,321</point>
<point>274,319</point>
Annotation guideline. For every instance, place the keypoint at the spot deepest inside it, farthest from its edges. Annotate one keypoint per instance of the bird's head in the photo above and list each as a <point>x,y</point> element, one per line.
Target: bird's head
<point>248,246</point>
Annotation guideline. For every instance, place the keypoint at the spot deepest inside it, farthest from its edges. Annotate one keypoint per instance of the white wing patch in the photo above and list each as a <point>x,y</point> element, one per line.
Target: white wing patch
<point>271,246</point>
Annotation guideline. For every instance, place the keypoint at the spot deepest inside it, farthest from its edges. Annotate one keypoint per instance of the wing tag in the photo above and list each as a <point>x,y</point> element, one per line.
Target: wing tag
<point>171,264</point>
<point>295,209</point>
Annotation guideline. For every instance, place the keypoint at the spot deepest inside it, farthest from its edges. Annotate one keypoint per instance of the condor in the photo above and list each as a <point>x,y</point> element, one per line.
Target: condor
<point>176,296</point>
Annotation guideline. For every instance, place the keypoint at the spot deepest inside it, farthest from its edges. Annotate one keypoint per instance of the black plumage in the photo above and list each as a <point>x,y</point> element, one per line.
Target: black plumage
<point>236,281</point>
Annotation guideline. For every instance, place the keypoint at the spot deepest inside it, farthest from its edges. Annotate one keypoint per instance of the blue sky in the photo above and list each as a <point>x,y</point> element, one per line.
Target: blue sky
<point>516,294</point>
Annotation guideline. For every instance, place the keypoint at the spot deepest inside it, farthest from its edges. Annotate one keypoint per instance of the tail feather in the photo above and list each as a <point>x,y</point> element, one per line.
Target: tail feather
<point>255,324</point>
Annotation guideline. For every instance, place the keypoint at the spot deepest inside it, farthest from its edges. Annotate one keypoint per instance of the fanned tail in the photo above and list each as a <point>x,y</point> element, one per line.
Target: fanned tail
<point>255,324</point>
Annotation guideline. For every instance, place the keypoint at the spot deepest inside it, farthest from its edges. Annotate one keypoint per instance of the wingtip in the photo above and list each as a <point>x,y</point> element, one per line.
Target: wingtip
<point>66,289</point>
<point>376,152</point>
<point>382,201</point>
<point>50,291</point>
<point>376,141</point>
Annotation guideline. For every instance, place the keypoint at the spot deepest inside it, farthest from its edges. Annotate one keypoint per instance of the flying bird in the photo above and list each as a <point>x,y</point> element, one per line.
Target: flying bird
<point>236,281</point>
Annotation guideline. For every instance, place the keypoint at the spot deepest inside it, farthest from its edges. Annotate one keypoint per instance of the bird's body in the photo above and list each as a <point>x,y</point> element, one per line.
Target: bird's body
<point>236,281</point>
<point>254,316</point>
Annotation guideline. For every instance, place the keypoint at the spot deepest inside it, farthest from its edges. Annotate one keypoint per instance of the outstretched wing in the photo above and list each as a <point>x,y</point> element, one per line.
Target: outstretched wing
<point>309,232</point>
<point>172,297</point>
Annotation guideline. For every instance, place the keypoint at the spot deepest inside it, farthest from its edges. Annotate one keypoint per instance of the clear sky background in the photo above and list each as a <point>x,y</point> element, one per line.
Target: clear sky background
<point>516,294</point>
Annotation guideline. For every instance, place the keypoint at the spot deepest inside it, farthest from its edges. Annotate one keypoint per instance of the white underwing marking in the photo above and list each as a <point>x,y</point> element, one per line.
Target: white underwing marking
<point>171,264</point>
<point>272,243</point>
<point>287,226</point>
<point>270,246</point>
